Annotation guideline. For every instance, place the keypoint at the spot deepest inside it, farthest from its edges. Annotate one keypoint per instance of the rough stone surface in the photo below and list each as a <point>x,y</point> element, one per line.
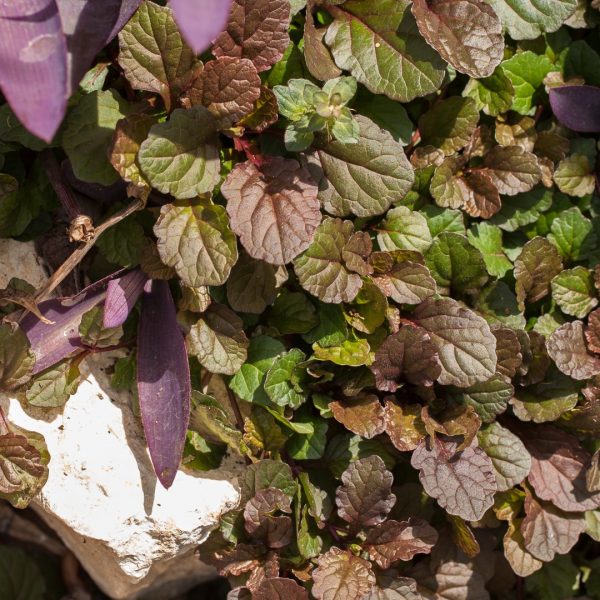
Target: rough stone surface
<point>134,538</point>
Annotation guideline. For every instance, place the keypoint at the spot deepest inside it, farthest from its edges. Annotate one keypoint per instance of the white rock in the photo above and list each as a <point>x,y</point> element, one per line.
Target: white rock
<point>132,536</point>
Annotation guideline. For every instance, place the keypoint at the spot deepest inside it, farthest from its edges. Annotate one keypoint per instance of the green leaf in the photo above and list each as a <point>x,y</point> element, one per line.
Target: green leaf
<point>361,179</point>
<point>312,445</point>
<point>209,419</point>
<point>292,312</point>
<point>526,72</point>
<point>267,474</point>
<point>53,387</point>
<point>536,266</point>
<point>487,238</point>
<point>455,264</point>
<point>94,334</point>
<point>247,382</point>
<point>523,209</point>
<point>331,330</point>
<point>493,95</point>
<point>526,20</point>
<point>321,269</point>
<point>488,398</point>
<point>122,244</point>
<point>251,285</point>
<point>383,49</point>
<point>88,135</point>
<point>449,124</point>
<point>555,580</point>
<point>218,340</point>
<point>352,353</point>
<point>574,291</point>
<point>572,234</point>
<point>386,113</point>
<point>154,56</point>
<point>582,60</point>
<point>440,220</point>
<point>16,358</point>
<point>195,238</point>
<point>181,156</point>
<point>20,576</point>
<point>404,229</point>
<point>510,458</point>
<point>575,176</point>
<point>283,379</point>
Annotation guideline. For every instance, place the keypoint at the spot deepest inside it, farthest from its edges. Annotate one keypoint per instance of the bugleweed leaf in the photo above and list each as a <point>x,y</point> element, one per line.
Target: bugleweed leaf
<point>363,178</point>
<point>194,237</point>
<point>407,355</point>
<point>465,343</point>
<point>180,157</point>
<point>154,56</point>
<point>567,348</point>
<point>257,30</point>
<point>365,498</point>
<point>466,33</point>
<point>23,465</point>
<point>163,379</point>
<point>463,483</point>
<point>383,50</point>
<point>340,574</point>
<point>273,209</point>
<point>394,541</point>
<point>362,415</point>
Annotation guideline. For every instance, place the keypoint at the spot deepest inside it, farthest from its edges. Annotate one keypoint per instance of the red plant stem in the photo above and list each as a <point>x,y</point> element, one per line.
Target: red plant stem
<point>244,145</point>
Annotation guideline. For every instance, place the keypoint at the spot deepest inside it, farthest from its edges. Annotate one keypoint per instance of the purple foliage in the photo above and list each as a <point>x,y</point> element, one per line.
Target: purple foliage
<point>54,342</point>
<point>121,296</point>
<point>201,21</point>
<point>89,26</point>
<point>163,376</point>
<point>33,64</point>
<point>577,107</point>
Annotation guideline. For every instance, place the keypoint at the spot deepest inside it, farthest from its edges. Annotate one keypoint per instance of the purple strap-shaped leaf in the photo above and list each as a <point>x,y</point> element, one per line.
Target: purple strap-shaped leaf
<point>52,343</point>
<point>89,26</point>
<point>121,296</point>
<point>201,21</point>
<point>577,107</point>
<point>33,64</point>
<point>163,376</point>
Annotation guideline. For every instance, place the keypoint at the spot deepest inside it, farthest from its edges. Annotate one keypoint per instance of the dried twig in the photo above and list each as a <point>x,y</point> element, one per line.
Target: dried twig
<point>78,255</point>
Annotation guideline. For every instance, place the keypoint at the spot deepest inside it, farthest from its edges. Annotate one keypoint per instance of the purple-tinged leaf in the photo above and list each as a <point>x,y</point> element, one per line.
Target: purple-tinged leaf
<point>163,375</point>
<point>121,296</point>
<point>201,21</point>
<point>577,107</point>
<point>53,342</point>
<point>89,26</point>
<point>33,64</point>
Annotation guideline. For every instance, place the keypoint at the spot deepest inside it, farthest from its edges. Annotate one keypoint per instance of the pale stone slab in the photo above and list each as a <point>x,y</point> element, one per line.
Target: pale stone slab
<point>135,538</point>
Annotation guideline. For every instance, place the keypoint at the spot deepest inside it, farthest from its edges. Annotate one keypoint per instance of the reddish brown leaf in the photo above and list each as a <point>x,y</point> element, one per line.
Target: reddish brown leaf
<point>410,355</point>
<point>257,30</point>
<point>274,531</point>
<point>274,210</point>
<point>592,332</point>
<point>404,425</point>
<point>463,483</point>
<point>558,467</point>
<point>340,574</point>
<point>483,199</point>
<point>567,348</point>
<point>228,87</point>
<point>466,33</point>
<point>280,588</point>
<point>393,541</point>
<point>362,415</point>
<point>365,496</point>
<point>508,350</point>
<point>548,530</point>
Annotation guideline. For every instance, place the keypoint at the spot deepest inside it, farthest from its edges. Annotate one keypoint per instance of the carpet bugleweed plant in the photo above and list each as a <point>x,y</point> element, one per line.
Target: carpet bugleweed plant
<point>353,243</point>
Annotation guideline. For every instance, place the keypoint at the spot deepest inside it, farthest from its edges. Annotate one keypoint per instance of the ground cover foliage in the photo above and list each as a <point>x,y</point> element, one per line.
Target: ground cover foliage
<point>354,243</point>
